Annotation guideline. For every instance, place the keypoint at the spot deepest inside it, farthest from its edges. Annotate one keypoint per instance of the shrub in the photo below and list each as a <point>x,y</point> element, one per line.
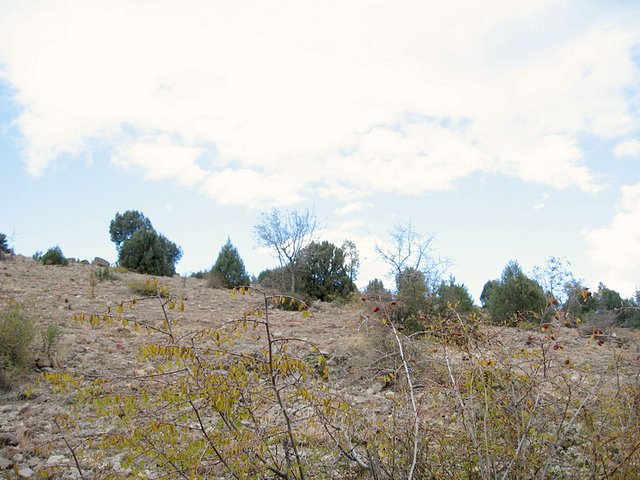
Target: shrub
<point>102,274</point>
<point>16,335</point>
<point>324,274</point>
<point>4,246</point>
<point>412,298</point>
<point>453,295</point>
<point>515,297</point>
<point>230,267</point>
<point>148,288</point>
<point>149,252</point>
<point>50,338</point>
<point>54,256</point>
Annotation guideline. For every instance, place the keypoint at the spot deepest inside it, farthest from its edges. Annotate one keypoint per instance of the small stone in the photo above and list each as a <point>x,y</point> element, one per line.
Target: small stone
<point>5,463</point>
<point>57,460</point>
<point>25,472</point>
<point>17,458</point>
<point>8,439</point>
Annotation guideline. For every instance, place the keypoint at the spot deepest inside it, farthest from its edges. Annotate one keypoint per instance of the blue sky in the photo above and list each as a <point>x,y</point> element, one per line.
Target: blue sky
<point>510,130</point>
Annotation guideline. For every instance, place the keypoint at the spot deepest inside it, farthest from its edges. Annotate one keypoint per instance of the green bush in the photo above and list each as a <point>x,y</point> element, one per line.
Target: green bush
<point>230,267</point>
<point>412,298</point>
<point>149,252</point>
<point>4,246</point>
<point>455,296</point>
<point>54,256</point>
<point>50,338</point>
<point>102,274</point>
<point>16,335</point>
<point>324,273</point>
<point>515,297</point>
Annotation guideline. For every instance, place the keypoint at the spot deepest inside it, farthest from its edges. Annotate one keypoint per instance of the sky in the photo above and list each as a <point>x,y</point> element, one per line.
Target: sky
<point>507,130</point>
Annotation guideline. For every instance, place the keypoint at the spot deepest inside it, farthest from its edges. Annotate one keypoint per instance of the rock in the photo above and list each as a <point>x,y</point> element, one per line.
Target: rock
<point>5,463</point>
<point>8,439</point>
<point>55,460</point>
<point>100,262</point>
<point>25,472</point>
<point>43,362</point>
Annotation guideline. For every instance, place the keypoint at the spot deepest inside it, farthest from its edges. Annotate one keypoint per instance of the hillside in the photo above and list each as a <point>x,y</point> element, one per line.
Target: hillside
<point>526,379</point>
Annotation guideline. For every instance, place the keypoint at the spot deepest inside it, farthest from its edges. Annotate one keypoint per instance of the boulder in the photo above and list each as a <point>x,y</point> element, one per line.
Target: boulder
<point>100,262</point>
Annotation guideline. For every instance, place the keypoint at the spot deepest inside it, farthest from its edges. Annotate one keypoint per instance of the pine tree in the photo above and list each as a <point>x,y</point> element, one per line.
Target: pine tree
<point>230,267</point>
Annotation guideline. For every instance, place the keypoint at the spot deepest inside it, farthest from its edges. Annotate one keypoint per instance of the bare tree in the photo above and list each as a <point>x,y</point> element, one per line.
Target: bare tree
<point>286,234</point>
<point>554,277</point>
<point>409,249</point>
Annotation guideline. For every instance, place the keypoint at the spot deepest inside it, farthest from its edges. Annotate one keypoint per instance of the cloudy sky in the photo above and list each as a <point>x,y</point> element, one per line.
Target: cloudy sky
<point>510,130</point>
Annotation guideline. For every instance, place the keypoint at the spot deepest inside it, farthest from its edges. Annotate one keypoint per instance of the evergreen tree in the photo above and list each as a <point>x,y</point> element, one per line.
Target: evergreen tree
<point>515,296</point>
<point>325,272</point>
<point>149,252</point>
<point>230,267</point>
<point>123,226</point>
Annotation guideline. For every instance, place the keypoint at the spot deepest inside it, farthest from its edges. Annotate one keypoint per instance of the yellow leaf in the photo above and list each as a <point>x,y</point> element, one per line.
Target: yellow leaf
<point>306,313</point>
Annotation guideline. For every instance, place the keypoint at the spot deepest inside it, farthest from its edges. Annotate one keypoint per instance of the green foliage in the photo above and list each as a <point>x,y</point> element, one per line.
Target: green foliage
<point>230,267</point>
<point>102,274</point>
<point>123,226</point>
<point>16,336</point>
<point>452,295</point>
<point>514,297</point>
<point>412,298</point>
<point>54,256</point>
<point>4,245</point>
<point>324,273</point>
<point>149,252</point>
<point>50,338</point>
<point>375,288</point>
<point>629,315</point>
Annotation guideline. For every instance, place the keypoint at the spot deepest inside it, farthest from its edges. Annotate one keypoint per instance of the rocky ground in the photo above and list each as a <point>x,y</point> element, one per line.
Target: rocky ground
<point>30,443</point>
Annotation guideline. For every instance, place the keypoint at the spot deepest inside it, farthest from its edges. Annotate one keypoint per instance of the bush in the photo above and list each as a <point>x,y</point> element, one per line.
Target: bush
<point>102,274</point>
<point>4,246</point>
<point>230,267</point>
<point>412,298</point>
<point>324,274</point>
<point>147,288</point>
<point>149,252</point>
<point>515,297</point>
<point>54,256</point>
<point>16,335</point>
<point>455,296</point>
<point>50,338</point>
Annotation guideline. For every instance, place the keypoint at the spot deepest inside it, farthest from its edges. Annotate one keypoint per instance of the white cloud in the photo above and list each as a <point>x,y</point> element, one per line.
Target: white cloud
<point>616,248</point>
<point>353,208</point>
<point>629,148</point>
<point>345,97</point>
<point>160,158</point>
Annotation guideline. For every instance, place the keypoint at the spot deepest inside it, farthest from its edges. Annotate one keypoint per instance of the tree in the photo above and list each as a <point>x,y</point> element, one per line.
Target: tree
<point>409,249</point>
<point>412,298</point>
<point>149,252</point>
<point>352,259</point>
<point>230,266</point>
<point>286,234</point>
<point>515,296</point>
<point>4,246</point>
<point>455,295</point>
<point>554,276</point>
<point>324,272</point>
<point>123,226</point>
